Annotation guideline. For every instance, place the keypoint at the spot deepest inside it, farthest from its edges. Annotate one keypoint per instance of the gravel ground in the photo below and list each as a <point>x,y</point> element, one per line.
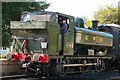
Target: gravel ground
<point>108,75</point>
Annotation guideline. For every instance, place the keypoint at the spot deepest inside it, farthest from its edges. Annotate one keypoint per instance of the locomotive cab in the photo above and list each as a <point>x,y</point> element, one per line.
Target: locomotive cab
<point>40,33</point>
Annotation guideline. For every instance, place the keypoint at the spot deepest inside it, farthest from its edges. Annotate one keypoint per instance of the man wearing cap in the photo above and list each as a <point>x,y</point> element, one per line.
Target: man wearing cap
<point>64,29</point>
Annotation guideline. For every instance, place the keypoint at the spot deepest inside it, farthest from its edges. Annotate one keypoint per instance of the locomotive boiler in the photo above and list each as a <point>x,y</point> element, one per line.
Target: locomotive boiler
<point>39,43</point>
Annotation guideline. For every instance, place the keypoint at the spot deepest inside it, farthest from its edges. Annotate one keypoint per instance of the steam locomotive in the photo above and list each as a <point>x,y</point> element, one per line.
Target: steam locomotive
<point>39,43</point>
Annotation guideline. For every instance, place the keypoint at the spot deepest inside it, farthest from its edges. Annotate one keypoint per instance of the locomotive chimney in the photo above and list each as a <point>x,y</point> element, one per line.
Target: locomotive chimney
<point>94,24</point>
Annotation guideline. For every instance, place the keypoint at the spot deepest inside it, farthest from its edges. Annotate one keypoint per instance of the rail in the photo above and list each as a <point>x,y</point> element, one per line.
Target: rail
<point>13,77</point>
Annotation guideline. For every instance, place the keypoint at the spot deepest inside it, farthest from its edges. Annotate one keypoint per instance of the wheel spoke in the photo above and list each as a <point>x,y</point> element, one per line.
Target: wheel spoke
<point>64,69</point>
<point>100,66</point>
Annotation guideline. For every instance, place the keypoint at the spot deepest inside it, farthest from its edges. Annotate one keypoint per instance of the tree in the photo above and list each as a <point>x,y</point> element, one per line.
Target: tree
<point>11,11</point>
<point>109,14</point>
<point>88,23</point>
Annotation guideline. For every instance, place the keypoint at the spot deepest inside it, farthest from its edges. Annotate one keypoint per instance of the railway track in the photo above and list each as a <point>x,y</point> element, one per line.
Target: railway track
<point>13,77</point>
<point>87,76</point>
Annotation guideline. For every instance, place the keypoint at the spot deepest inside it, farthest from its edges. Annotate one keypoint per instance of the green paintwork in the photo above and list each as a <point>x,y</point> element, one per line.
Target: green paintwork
<point>28,25</point>
<point>55,39</point>
<point>99,40</point>
<point>69,37</point>
<point>53,30</point>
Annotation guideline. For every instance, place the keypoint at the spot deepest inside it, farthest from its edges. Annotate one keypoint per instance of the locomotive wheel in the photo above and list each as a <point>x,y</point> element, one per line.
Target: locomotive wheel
<point>100,66</point>
<point>91,68</point>
<point>30,71</point>
<point>64,69</point>
<point>85,68</point>
<point>52,68</point>
<point>33,69</point>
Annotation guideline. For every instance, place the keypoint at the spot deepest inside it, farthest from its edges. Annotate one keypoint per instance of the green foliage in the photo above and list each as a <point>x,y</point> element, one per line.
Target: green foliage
<point>2,56</point>
<point>11,11</point>
<point>109,14</point>
<point>88,23</point>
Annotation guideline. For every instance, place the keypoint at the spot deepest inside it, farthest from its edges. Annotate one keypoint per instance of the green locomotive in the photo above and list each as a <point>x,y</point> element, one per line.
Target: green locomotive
<point>38,37</point>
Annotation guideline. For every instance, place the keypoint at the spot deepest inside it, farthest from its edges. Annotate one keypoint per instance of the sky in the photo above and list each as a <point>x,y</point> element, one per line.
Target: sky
<point>78,8</point>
